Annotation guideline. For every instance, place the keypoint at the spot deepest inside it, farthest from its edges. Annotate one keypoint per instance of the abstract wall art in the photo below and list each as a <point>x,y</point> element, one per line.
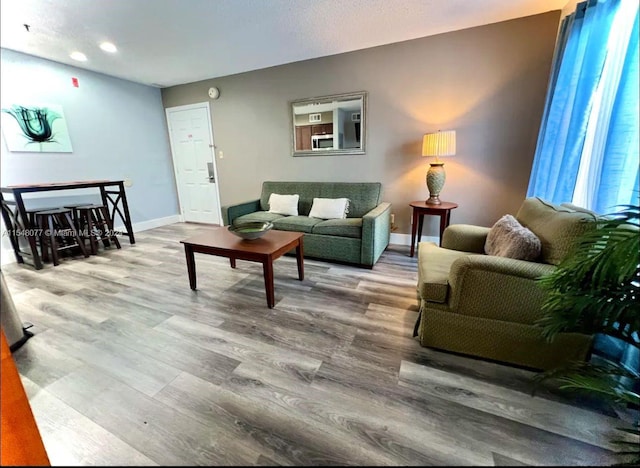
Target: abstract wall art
<point>39,129</point>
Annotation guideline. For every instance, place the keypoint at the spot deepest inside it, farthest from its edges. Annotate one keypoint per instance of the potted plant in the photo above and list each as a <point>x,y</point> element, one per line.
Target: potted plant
<point>596,291</point>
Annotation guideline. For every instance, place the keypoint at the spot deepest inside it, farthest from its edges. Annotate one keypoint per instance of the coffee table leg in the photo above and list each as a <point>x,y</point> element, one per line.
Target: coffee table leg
<point>300,259</point>
<point>232,261</point>
<point>267,267</point>
<point>191,266</point>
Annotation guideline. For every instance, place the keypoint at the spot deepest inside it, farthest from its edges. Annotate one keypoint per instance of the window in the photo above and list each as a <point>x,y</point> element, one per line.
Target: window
<point>587,150</point>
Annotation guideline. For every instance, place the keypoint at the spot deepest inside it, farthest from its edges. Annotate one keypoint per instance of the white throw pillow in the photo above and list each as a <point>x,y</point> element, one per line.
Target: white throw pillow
<point>509,238</point>
<point>284,204</point>
<point>329,208</point>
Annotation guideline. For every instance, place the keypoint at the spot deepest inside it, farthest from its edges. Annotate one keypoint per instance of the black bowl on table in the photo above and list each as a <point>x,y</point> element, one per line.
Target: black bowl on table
<point>251,230</point>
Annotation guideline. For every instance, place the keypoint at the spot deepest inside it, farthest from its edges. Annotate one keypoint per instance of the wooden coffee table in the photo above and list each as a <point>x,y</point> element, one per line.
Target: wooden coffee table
<point>271,246</point>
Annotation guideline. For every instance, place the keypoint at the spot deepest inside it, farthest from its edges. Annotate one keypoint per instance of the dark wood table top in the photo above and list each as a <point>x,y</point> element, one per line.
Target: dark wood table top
<point>221,238</point>
<point>47,186</point>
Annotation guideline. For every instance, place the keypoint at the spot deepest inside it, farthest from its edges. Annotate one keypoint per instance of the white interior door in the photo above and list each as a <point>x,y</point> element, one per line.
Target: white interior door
<point>194,162</point>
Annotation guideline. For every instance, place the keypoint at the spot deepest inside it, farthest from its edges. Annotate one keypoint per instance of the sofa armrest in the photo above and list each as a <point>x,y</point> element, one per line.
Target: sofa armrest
<point>497,288</point>
<point>376,231</point>
<point>465,237</point>
<point>231,212</point>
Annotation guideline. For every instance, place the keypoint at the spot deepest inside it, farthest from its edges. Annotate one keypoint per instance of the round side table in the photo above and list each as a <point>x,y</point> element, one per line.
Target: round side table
<point>421,208</point>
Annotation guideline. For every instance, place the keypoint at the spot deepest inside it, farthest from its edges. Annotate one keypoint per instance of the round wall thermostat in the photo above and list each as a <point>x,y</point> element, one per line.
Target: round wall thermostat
<point>214,93</point>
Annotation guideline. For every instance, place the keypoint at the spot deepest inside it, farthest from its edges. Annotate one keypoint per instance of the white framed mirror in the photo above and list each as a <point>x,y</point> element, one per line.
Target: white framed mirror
<point>329,125</point>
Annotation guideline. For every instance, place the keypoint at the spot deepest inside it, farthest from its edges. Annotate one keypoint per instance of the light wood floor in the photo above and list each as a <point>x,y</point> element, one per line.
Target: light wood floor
<point>129,366</point>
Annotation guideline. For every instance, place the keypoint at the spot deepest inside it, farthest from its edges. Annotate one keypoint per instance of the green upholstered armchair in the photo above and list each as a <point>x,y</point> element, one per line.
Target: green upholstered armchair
<point>486,306</point>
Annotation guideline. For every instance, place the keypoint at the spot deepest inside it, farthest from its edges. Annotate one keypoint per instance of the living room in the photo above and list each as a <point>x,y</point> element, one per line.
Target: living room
<point>488,82</point>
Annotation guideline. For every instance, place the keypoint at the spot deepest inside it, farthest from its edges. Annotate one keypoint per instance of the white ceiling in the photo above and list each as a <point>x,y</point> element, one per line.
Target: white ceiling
<point>169,42</point>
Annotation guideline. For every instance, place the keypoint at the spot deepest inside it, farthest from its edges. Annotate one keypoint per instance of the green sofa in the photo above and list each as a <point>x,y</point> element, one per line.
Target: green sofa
<point>486,306</point>
<point>359,239</point>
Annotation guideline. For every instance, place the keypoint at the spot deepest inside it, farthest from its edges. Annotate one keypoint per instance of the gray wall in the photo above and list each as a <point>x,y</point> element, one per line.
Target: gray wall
<point>488,83</point>
<point>117,129</point>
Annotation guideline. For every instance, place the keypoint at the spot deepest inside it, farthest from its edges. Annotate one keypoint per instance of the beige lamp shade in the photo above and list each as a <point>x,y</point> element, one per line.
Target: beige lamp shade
<point>437,144</point>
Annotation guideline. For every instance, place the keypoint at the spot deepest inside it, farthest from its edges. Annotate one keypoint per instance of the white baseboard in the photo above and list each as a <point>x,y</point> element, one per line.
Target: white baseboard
<point>405,239</point>
<point>7,256</point>
<point>152,223</point>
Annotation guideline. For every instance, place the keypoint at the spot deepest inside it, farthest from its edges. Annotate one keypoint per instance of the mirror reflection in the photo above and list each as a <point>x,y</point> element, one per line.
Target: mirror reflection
<point>329,125</point>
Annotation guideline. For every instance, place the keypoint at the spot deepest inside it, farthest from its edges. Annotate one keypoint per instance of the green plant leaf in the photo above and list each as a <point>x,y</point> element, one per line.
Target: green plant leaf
<point>596,288</point>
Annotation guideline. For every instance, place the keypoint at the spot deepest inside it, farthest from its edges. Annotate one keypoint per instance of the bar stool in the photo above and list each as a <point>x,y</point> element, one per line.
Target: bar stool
<point>58,223</point>
<point>95,224</point>
<point>74,213</point>
<point>31,213</point>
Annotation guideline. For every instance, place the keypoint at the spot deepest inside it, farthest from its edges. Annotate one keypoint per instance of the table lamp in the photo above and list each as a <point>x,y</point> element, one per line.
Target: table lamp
<point>437,144</point>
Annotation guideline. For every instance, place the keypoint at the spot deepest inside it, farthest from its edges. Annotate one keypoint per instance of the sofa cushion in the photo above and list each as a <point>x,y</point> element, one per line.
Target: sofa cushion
<point>296,223</point>
<point>434,264</point>
<point>509,238</point>
<point>363,196</point>
<point>284,204</point>
<point>329,208</point>
<point>259,216</point>
<point>306,192</point>
<point>349,227</point>
<point>557,227</point>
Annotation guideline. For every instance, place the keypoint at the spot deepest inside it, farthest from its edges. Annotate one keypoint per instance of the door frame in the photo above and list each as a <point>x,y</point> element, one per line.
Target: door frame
<point>212,150</point>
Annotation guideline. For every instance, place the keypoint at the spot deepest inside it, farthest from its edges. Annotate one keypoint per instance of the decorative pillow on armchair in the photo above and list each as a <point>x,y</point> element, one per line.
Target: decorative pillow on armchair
<point>509,238</point>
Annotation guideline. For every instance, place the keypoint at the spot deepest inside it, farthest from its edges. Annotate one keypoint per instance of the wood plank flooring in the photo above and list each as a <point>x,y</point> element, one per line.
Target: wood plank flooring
<point>128,366</point>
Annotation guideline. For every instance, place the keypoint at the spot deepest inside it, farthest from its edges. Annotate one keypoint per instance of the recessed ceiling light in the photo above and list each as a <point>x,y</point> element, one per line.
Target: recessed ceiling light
<point>79,56</point>
<point>108,47</point>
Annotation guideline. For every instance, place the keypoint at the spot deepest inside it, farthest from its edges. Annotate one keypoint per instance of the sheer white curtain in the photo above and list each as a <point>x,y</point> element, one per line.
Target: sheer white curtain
<point>590,171</point>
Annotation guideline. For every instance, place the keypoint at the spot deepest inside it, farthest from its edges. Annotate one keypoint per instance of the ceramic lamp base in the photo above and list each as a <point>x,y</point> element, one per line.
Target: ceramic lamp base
<point>435,182</point>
